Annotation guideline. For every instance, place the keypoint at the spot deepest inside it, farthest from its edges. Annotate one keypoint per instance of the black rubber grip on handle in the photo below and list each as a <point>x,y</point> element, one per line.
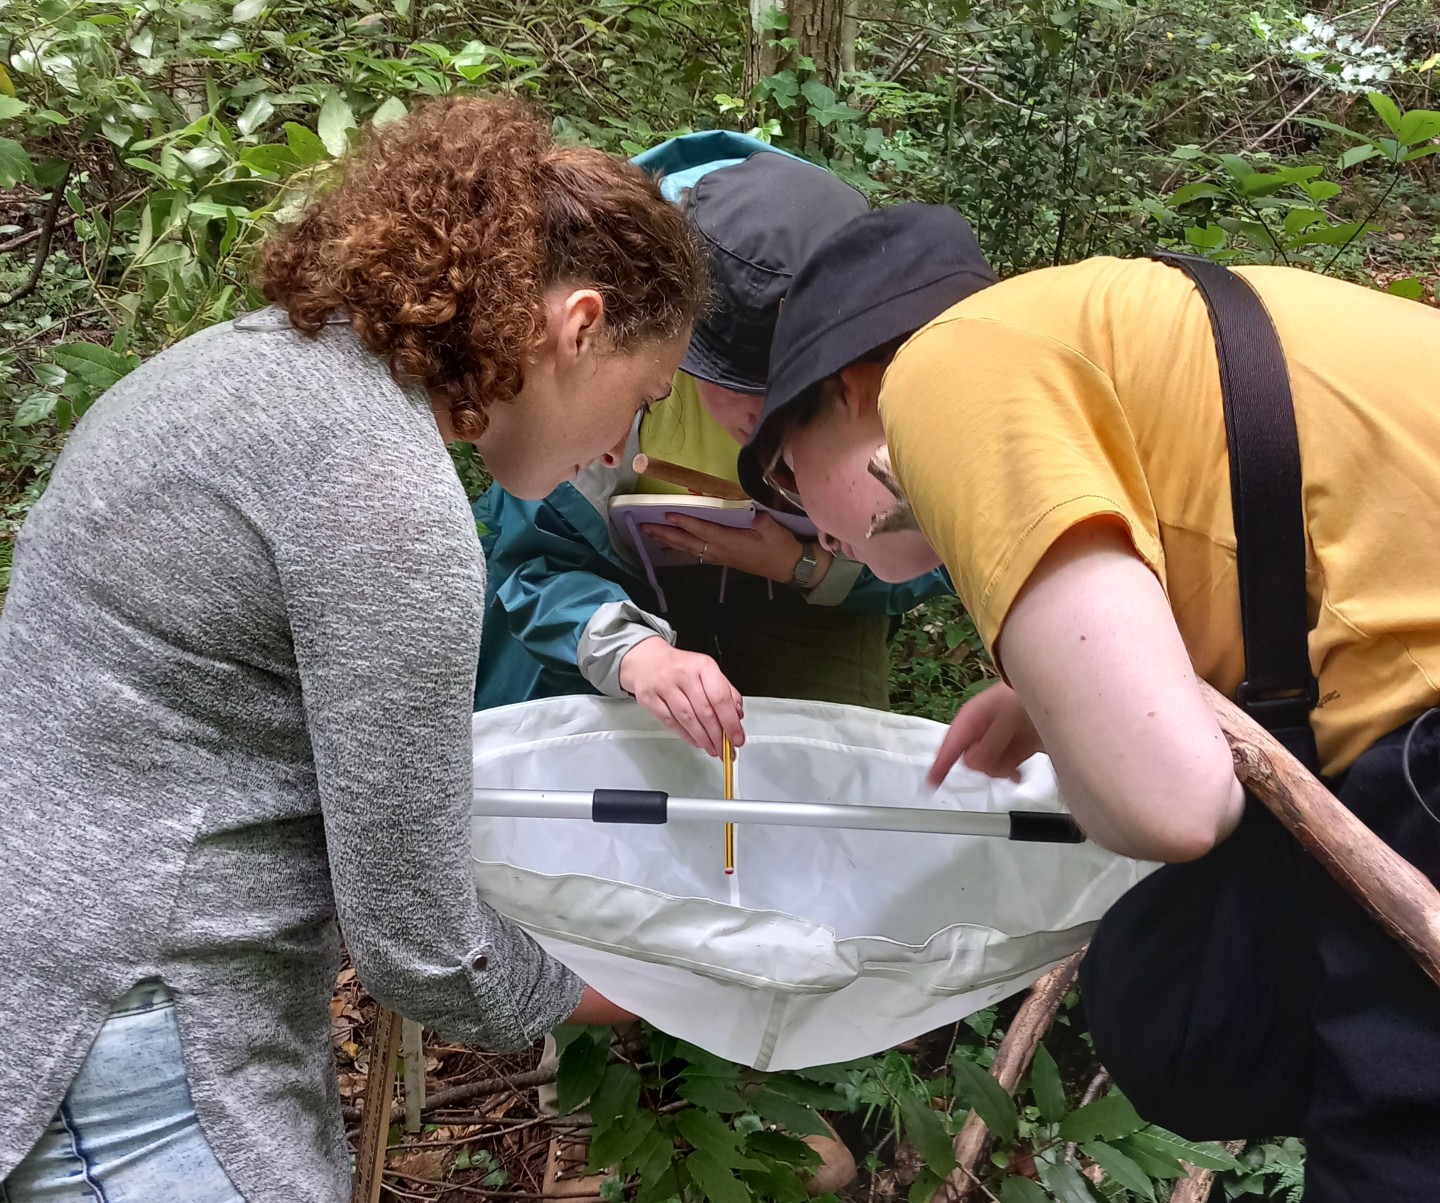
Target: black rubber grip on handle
<point>629,806</point>
<point>1044,827</point>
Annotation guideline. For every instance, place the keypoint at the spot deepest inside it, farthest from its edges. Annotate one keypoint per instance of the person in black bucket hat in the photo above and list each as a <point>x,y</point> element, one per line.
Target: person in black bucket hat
<point>1061,442</point>
<point>580,602</point>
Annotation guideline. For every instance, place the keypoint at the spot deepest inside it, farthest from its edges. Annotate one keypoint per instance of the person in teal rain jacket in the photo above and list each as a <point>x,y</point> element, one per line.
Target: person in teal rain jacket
<point>571,605</point>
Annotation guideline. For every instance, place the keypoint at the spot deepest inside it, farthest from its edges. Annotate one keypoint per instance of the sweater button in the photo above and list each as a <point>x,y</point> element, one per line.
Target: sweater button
<point>480,962</point>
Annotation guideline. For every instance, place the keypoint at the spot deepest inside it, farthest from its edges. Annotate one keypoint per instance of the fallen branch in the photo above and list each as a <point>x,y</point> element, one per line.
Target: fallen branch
<point>47,232</point>
<point>1012,1060</point>
<point>25,239</point>
<point>467,1090</point>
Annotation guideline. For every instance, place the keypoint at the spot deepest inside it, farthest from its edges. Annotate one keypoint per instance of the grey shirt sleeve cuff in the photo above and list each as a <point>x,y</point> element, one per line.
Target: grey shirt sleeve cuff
<point>612,631</point>
<point>838,582</point>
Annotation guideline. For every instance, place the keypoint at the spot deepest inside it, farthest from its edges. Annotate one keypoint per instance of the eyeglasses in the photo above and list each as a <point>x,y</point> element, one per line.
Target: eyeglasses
<point>781,477</point>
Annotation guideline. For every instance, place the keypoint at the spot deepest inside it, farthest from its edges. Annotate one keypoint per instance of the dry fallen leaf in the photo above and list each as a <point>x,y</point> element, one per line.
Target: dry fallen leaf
<point>421,1163</point>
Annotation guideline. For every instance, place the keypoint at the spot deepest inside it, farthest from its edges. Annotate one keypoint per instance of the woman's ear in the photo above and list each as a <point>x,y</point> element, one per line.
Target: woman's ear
<point>581,319</point>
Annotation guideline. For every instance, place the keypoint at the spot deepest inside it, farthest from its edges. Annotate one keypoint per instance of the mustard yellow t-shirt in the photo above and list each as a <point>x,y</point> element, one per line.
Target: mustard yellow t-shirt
<point>681,431</point>
<point>1090,390</point>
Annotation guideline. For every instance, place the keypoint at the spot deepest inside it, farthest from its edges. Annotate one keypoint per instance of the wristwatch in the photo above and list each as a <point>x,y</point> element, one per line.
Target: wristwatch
<point>806,565</point>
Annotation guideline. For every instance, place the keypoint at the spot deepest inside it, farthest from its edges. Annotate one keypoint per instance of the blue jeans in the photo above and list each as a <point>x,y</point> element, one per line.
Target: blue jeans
<point>126,1130</point>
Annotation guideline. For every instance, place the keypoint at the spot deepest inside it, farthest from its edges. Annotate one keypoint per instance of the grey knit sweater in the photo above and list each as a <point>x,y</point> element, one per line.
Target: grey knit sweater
<point>236,669</point>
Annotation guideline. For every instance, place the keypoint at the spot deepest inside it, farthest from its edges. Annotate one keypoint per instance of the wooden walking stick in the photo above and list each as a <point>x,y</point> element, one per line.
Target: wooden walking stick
<point>1395,894</point>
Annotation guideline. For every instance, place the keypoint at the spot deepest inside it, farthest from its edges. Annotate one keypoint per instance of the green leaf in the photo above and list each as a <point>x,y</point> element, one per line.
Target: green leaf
<point>777,1183</point>
<point>1387,109</point>
<point>1333,235</point>
<point>1320,190</point>
<point>1197,191</point>
<point>256,113</point>
<point>335,118</point>
<point>716,1182</point>
<point>657,1190</point>
<point>270,159</point>
<point>1417,126</point>
<point>812,1094</point>
<point>582,1066</point>
<point>474,60</point>
<point>15,164</point>
<point>392,110</point>
<point>304,145</point>
<point>978,1088</point>
<point>1357,154</point>
<point>926,1131</point>
<point>1411,288</point>
<point>99,367</point>
<point>1237,167</point>
<point>1104,1119</point>
<point>207,208</point>
<point>794,1117</point>
<point>783,88</point>
<point>622,1138</point>
<point>828,114</point>
<point>1297,221</point>
<point>402,7</point>
<point>711,1093</point>
<point>1120,1167</point>
<point>818,95</point>
<point>1156,1165</point>
<point>1205,238</point>
<point>781,1147</point>
<point>923,1189</point>
<point>247,10</point>
<point>1166,1144</point>
<point>619,1090</point>
<point>35,408</point>
<point>1065,1182</point>
<point>1022,1190</point>
<point>713,1136</point>
<point>1046,1085</point>
<point>10,107</point>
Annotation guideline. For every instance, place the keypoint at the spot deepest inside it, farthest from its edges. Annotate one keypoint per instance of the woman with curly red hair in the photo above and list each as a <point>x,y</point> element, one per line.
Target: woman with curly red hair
<point>238,657</point>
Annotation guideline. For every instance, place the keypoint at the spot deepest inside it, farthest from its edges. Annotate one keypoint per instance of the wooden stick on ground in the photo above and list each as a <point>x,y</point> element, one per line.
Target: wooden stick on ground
<point>1013,1058</point>
<point>412,1048</point>
<point>688,478</point>
<point>375,1122</point>
<point>1395,893</point>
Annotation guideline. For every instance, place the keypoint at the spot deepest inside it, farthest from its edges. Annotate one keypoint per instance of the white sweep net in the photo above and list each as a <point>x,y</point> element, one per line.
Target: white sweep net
<point>826,944</point>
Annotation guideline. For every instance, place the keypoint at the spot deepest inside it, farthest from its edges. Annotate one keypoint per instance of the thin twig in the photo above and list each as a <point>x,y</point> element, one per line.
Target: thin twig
<point>47,231</point>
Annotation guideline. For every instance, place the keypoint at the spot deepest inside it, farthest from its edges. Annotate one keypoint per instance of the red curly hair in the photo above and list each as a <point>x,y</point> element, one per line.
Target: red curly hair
<point>443,232</point>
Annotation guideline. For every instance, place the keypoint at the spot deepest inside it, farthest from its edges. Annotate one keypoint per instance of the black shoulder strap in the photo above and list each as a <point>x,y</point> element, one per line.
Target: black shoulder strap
<point>1279,690</point>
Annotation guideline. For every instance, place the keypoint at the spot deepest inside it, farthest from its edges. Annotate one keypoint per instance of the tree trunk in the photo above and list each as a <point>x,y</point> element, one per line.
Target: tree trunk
<point>823,32</point>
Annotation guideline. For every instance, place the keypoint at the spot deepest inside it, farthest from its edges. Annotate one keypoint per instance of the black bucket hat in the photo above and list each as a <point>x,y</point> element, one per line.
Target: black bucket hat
<point>880,278</point>
<point>760,219</point>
